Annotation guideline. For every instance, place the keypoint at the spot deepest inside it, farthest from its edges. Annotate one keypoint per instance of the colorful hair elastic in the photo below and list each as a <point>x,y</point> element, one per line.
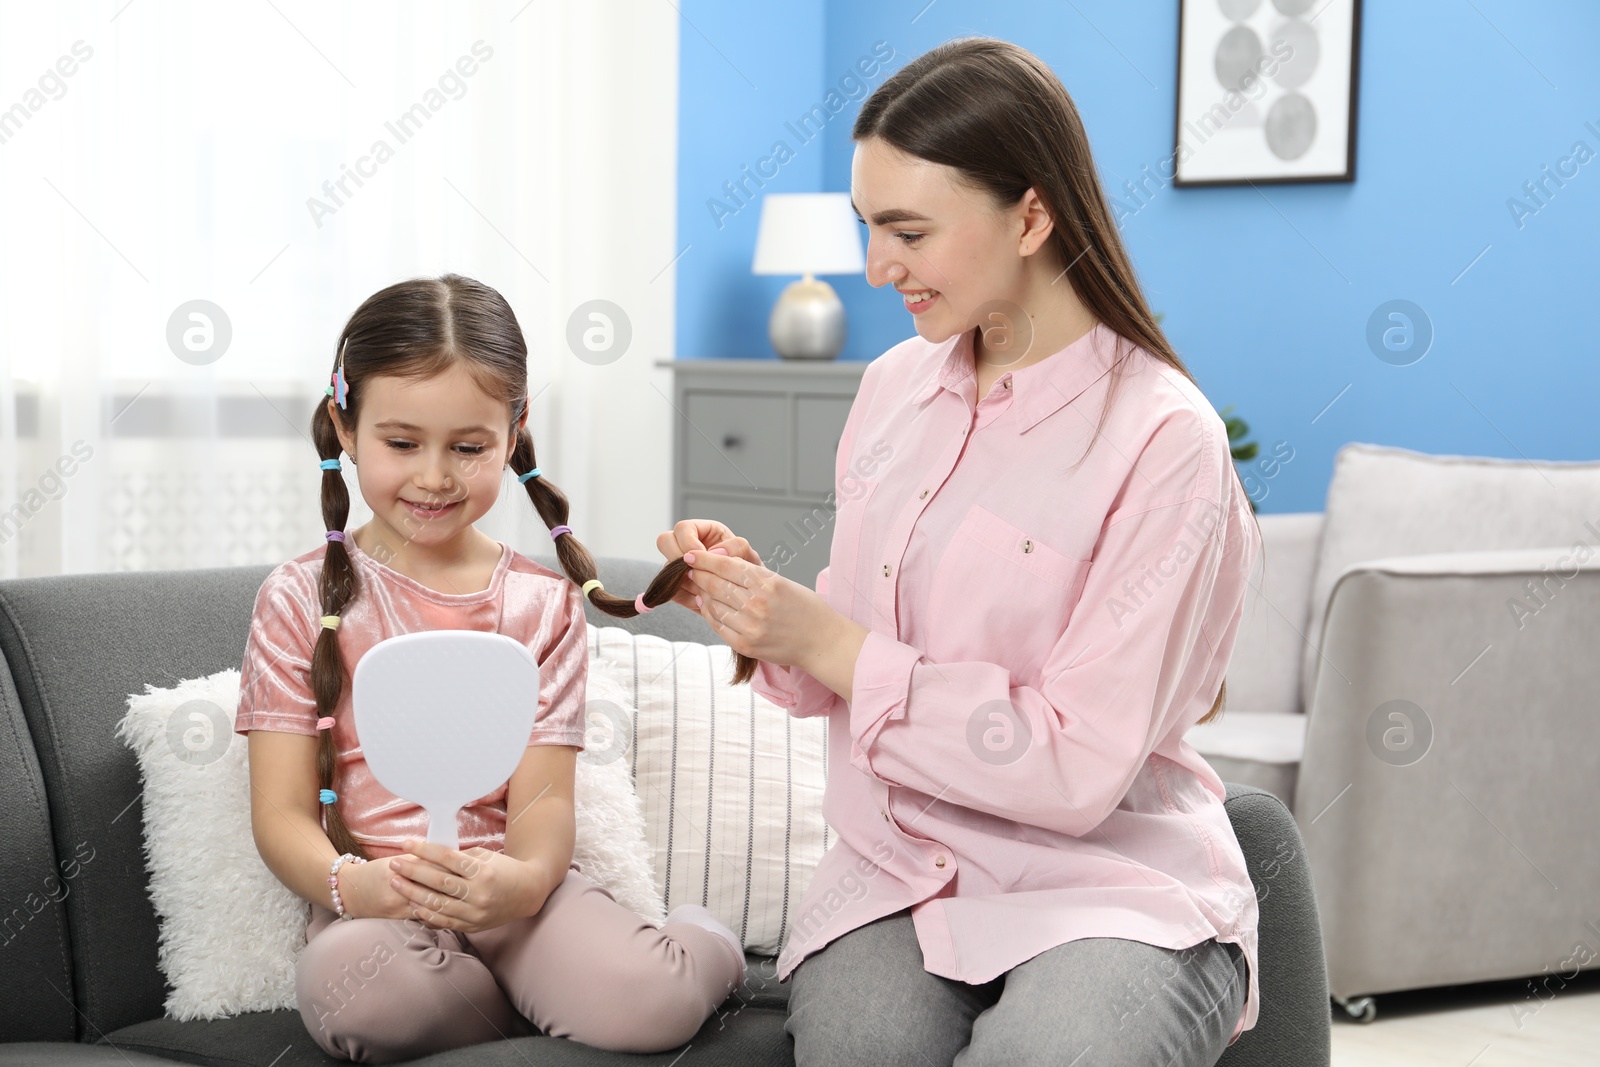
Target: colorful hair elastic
<point>558,531</point>
<point>331,621</point>
<point>592,583</point>
<point>330,464</point>
<point>325,723</point>
<point>336,535</point>
<point>531,474</point>
<point>327,796</point>
<point>638,602</point>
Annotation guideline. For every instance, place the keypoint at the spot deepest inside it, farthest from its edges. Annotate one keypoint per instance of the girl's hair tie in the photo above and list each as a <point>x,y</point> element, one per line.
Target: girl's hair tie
<point>558,531</point>
<point>592,583</point>
<point>330,464</point>
<point>336,535</point>
<point>638,602</point>
<point>531,474</point>
<point>331,621</point>
<point>327,796</point>
<point>325,723</point>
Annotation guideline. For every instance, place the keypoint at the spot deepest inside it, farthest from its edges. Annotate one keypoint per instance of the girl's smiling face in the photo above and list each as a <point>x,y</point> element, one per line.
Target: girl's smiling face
<point>429,457</point>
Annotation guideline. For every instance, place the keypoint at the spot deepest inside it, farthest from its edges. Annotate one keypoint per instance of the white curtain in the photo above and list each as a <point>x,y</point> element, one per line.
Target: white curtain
<point>281,161</point>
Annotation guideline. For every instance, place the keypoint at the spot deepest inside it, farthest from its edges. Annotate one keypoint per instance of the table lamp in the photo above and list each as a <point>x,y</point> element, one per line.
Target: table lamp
<point>808,234</point>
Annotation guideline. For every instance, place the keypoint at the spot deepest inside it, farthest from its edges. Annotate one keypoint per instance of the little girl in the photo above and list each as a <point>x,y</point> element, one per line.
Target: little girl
<point>447,947</point>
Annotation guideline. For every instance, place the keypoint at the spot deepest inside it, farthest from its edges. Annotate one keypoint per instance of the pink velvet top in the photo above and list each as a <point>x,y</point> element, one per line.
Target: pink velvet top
<point>524,600</point>
<point>1045,625</point>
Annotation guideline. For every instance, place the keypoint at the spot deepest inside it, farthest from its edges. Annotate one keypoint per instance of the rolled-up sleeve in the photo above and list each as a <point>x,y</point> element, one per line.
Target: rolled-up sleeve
<point>1126,670</point>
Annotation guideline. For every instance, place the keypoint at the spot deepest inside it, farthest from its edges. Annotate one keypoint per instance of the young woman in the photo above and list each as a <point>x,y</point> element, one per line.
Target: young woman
<point>1037,574</point>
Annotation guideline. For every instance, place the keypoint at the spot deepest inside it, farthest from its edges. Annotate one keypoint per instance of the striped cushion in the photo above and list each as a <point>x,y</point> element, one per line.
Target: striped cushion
<point>731,785</point>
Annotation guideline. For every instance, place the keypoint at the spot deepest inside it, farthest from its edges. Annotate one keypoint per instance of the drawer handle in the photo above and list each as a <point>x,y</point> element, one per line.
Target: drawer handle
<point>732,441</point>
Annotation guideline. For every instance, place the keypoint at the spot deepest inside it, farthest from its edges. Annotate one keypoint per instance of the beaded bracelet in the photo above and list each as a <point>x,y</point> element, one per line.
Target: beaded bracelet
<point>333,882</point>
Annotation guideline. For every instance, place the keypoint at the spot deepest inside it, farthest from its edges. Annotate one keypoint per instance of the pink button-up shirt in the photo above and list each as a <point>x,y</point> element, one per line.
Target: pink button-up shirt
<point>1047,620</point>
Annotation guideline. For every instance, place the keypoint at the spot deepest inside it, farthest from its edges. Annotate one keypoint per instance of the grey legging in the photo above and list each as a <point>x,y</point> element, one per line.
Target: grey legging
<point>866,999</point>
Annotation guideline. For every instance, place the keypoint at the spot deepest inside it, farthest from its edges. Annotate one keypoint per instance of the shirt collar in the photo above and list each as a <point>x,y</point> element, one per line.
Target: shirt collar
<point>1039,389</point>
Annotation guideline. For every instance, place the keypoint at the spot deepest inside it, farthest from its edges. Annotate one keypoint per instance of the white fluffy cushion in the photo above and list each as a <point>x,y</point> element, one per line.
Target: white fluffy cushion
<point>731,784</point>
<point>229,930</point>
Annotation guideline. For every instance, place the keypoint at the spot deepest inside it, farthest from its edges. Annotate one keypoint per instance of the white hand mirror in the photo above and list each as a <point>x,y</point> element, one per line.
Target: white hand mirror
<point>444,717</point>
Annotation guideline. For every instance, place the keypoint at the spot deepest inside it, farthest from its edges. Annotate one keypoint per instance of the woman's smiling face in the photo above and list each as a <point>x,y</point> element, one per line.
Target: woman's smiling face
<point>944,245</point>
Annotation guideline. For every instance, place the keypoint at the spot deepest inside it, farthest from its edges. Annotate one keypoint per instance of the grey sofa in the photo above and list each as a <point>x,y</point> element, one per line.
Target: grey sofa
<point>78,941</point>
<point>1415,676</point>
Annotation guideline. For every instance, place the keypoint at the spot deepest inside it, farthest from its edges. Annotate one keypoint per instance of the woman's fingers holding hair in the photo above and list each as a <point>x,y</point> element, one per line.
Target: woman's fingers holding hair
<point>739,548</point>
<point>692,535</point>
<point>705,536</point>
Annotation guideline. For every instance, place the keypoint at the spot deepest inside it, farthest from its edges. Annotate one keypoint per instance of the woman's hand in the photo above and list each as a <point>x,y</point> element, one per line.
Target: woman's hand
<point>761,613</point>
<point>702,535</point>
<point>467,891</point>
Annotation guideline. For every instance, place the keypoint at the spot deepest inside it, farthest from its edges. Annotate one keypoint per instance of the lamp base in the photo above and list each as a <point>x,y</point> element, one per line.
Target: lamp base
<point>807,321</point>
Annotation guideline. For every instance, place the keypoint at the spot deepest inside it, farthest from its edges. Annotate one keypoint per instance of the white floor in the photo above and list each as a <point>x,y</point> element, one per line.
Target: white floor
<point>1497,1024</point>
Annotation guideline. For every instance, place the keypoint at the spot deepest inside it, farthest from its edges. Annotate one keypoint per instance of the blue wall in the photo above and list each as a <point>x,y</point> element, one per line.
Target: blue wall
<point>1266,295</point>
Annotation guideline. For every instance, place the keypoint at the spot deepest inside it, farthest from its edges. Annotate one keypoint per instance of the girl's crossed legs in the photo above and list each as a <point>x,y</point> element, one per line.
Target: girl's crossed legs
<point>866,999</point>
<point>584,967</point>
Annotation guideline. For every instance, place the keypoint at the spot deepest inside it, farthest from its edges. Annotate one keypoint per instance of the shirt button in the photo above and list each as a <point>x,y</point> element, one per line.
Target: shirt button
<point>938,861</point>
<point>922,495</point>
<point>885,814</point>
<point>1008,383</point>
<point>886,570</point>
<point>1027,546</point>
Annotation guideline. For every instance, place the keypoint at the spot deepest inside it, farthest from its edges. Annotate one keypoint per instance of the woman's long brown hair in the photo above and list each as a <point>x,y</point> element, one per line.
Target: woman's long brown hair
<point>998,114</point>
<point>415,330</point>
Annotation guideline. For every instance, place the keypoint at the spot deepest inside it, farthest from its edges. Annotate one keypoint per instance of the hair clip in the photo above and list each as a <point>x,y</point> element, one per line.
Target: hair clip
<point>327,796</point>
<point>558,531</point>
<point>331,464</point>
<point>640,605</point>
<point>325,723</point>
<point>336,535</point>
<point>531,474</point>
<point>341,384</point>
<point>592,583</point>
<point>331,621</point>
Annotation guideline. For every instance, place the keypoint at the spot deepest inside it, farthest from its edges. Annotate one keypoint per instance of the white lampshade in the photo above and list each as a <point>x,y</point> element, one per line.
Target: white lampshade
<point>808,233</point>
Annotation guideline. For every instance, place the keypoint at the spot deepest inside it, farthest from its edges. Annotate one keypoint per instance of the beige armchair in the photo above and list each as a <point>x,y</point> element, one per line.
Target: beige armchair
<point>1417,676</point>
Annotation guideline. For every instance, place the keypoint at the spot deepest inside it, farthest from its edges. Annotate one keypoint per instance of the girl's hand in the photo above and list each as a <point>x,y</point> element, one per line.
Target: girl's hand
<point>467,891</point>
<point>758,612</point>
<point>365,892</point>
<point>702,535</point>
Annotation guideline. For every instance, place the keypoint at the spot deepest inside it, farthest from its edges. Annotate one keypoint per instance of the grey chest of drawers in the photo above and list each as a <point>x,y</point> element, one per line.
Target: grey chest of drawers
<point>753,446</point>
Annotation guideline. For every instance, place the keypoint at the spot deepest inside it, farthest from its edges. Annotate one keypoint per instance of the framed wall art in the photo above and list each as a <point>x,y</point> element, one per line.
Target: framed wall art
<point>1266,91</point>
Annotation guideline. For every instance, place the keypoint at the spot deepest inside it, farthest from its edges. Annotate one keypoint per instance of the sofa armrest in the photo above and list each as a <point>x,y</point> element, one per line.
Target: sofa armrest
<point>1264,673</point>
<point>1452,742</point>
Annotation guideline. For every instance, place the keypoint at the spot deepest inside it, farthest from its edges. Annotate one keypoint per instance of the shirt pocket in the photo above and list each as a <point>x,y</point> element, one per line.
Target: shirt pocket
<point>1001,594</point>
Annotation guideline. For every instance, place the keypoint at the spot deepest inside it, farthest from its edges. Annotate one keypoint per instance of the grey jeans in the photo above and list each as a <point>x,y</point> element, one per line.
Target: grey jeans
<point>866,999</point>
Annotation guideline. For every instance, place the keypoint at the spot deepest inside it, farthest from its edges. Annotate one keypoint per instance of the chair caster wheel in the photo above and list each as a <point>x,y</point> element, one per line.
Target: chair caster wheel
<point>1360,1009</point>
